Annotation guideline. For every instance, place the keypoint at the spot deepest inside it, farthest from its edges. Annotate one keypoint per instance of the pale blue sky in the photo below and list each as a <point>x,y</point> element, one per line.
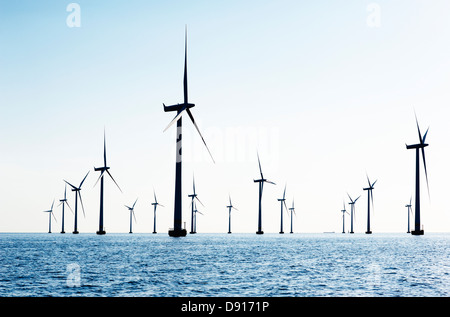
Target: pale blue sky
<point>324,96</point>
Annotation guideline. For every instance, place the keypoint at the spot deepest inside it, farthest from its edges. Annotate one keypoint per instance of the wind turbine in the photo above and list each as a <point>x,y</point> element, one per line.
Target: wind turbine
<point>352,211</point>
<point>369,199</point>
<point>195,217</point>
<point>102,170</point>
<point>177,231</point>
<point>261,182</point>
<point>193,196</point>
<point>62,202</point>
<point>77,193</point>
<point>283,202</point>
<point>230,206</point>
<point>420,146</point>
<point>292,210</point>
<point>50,213</point>
<point>131,209</point>
<point>343,218</point>
<point>155,204</point>
<point>409,212</point>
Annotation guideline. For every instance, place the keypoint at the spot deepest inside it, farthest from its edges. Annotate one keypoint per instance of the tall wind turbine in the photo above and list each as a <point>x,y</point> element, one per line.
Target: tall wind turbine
<point>195,216</point>
<point>50,213</point>
<point>230,206</point>
<point>77,194</point>
<point>261,182</point>
<point>409,212</point>
<point>63,202</point>
<point>177,231</point>
<point>282,202</point>
<point>369,199</point>
<point>102,170</point>
<point>193,196</point>
<point>131,209</point>
<point>420,146</point>
<point>352,211</point>
<point>292,210</point>
<point>343,218</point>
<point>155,204</point>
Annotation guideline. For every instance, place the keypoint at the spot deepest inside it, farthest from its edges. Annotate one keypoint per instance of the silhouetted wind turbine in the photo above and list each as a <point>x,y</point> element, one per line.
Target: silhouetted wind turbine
<point>343,218</point>
<point>292,210</point>
<point>131,209</point>
<point>193,196</point>
<point>77,193</point>
<point>102,170</point>
<point>177,231</point>
<point>420,146</point>
<point>409,212</point>
<point>352,211</point>
<point>195,216</point>
<point>50,213</point>
<point>283,202</point>
<point>155,204</point>
<point>62,202</point>
<point>230,206</point>
<point>261,182</point>
<point>369,199</point>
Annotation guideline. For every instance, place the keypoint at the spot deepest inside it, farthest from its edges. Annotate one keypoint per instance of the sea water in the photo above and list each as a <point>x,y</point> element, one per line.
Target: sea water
<point>225,265</point>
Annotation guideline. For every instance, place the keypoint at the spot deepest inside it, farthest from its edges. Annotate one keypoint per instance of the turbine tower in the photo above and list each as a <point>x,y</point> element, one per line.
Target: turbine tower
<point>193,196</point>
<point>282,202</point>
<point>261,182</point>
<point>292,210</point>
<point>421,146</point>
<point>177,231</point>
<point>343,218</point>
<point>369,199</point>
<point>409,212</point>
<point>131,209</point>
<point>352,211</point>
<point>62,202</point>
<point>102,170</point>
<point>50,213</point>
<point>77,194</point>
<point>155,204</point>
<point>230,206</point>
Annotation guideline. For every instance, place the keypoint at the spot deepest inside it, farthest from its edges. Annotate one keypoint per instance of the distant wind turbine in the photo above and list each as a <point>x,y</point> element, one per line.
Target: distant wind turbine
<point>195,216</point>
<point>343,218</point>
<point>420,146</point>
<point>282,202</point>
<point>50,213</point>
<point>131,209</point>
<point>64,202</point>
<point>193,196</point>
<point>155,204</point>
<point>292,210</point>
<point>409,212</point>
<point>261,182</point>
<point>369,199</point>
<point>230,206</point>
<point>352,211</point>
<point>177,231</point>
<point>77,194</point>
<point>102,170</point>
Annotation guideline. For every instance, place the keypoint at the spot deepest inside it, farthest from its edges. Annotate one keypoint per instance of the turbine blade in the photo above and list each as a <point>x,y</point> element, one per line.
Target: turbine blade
<point>418,129</point>
<point>374,183</point>
<point>285,206</point>
<point>175,119</point>
<point>113,180</point>
<point>284,193</point>
<point>198,130</point>
<point>154,194</point>
<point>185,85</point>
<point>101,175</point>
<point>350,197</point>
<point>69,184</point>
<point>54,216</point>
<point>267,181</point>
<point>134,216</point>
<point>425,135</point>
<point>81,201</point>
<point>69,206</point>
<point>425,168</point>
<point>193,183</point>
<point>199,201</point>
<point>135,202</point>
<point>104,147</point>
<point>260,169</point>
<point>84,179</point>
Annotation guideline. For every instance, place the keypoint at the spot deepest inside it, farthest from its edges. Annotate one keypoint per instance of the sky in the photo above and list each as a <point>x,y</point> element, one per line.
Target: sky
<point>325,91</point>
